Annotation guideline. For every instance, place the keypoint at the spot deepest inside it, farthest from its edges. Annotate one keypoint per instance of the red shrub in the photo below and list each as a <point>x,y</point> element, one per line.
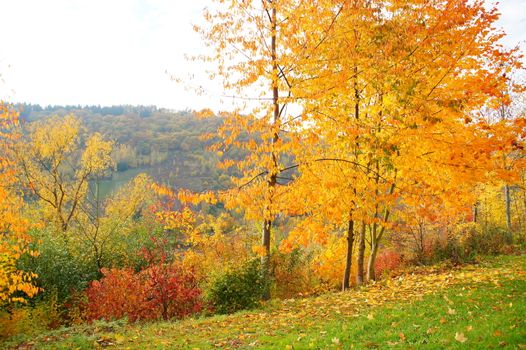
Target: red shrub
<point>387,260</point>
<point>120,293</point>
<point>162,290</point>
<point>173,292</point>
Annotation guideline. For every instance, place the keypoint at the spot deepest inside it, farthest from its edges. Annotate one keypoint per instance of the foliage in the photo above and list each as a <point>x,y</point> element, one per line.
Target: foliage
<point>61,268</point>
<point>164,144</point>
<point>292,274</point>
<point>448,301</point>
<point>238,289</point>
<point>159,291</point>
<point>469,240</point>
<point>388,260</point>
<point>120,293</point>
<point>29,320</point>
<point>110,228</point>
<point>53,166</point>
<point>391,112</point>
<point>15,284</point>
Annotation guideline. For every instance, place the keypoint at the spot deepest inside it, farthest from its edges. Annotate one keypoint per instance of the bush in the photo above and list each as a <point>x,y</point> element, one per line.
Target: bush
<point>490,240</point>
<point>293,274</point>
<point>387,260</point>
<point>60,271</point>
<point>31,319</point>
<point>469,240</point>
<point>118,294</point>
<point>238,289</point>
<point>162,290</point>
<point>174,292</point>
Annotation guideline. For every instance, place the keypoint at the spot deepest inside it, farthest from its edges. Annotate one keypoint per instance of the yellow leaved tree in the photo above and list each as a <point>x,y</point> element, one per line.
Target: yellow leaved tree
<point>14,283</point>
<point>57,170</point>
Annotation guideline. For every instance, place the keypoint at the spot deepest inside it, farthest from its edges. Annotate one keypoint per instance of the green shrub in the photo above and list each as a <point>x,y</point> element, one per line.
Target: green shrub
<point>238,289</point>
<point>59,268</point>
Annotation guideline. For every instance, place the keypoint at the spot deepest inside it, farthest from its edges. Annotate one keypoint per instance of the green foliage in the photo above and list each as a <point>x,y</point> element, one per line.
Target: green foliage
<point>59,267</point>
<point>238,289</point>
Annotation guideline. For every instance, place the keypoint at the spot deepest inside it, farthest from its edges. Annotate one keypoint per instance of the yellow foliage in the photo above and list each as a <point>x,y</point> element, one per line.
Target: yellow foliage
<point>13,238</point>
<point>328,264</point>
<point>51,163</point>
<point>97,156</point>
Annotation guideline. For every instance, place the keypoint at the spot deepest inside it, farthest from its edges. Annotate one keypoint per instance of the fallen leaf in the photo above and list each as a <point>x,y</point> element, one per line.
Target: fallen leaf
<point>460,337</point>
<point>402,336</point>
<point>335,341</point>
<point>451,311</point>
<point>370,316</point>
<point>119,338</point>
<point>443,320</point>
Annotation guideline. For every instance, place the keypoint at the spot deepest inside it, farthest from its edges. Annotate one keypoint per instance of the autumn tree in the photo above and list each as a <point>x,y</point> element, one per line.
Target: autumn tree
<point>55,165</point>
<point>14,240</point>
<point>104,223</point>
<point>391,108</point>
<point>257,47</point>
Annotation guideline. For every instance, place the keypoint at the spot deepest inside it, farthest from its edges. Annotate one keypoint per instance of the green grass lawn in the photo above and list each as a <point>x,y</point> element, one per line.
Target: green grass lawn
<point>479,306</point>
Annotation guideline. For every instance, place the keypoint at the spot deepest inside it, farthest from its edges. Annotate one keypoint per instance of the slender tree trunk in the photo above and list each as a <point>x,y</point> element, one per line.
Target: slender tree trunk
<point>361,256</point>
<point>508,206</point>
<point>265,259</point>
<point>371,274</point>
<point>267,223</point>
<point>348,259</point>
<point>475,212</point>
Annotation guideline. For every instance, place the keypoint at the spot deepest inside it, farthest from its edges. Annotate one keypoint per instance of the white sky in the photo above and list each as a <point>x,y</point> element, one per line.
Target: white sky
<point>119,51</point>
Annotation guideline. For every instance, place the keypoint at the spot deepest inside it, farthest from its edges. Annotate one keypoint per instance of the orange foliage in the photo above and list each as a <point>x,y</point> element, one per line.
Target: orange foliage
<point>13,238</point>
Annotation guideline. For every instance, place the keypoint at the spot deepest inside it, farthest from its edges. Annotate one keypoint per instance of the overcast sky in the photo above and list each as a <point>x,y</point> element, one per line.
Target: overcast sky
<point>119,51</point>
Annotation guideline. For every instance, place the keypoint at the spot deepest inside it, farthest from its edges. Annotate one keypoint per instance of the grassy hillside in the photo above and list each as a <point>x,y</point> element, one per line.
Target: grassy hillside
<point>478,306</point>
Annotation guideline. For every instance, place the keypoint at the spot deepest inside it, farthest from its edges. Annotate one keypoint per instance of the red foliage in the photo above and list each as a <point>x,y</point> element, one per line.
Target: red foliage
<point>118,294</point>
<point>387,260</point>
<point>161,290</point>
<point>172,291</point>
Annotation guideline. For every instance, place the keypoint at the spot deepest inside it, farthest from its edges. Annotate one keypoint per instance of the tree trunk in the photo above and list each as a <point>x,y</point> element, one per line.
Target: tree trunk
<point>267,223</point>
<point>371,273</point>
<point>265,259</point>
<point>361,257</point>
<point>475,212</point>
<point>508,206</point>
<point>348,259</point>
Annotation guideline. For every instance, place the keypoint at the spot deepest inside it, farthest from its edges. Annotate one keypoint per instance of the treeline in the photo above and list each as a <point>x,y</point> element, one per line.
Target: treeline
<point>29,111</point>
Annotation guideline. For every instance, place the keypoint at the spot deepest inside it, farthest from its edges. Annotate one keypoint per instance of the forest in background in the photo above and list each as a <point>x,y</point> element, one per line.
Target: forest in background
<point>165,144</point>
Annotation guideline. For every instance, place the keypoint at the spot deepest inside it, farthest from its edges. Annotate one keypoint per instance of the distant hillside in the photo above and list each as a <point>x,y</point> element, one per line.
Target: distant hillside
<point>163,143</point>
